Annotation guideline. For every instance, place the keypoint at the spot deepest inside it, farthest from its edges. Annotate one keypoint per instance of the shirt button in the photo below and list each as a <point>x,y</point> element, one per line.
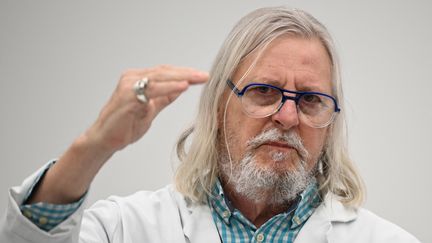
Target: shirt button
<point>260,237</point>
<point>28,214</point>
<point>43,220</point>
<point>226,214</point>
<point>297,219</point>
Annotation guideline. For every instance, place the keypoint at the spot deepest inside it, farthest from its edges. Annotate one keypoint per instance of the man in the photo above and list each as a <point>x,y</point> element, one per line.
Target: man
<point>266,162</point>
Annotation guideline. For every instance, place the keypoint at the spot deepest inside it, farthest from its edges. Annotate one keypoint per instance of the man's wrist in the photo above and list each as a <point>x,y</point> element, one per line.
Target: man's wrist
<point>92,144</point>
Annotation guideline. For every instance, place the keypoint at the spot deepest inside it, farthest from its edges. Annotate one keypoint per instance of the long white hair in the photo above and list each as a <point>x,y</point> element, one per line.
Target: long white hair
<point>198,168</point>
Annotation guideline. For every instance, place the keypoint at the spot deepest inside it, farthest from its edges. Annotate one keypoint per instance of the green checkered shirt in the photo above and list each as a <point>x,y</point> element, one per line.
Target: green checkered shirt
<point>233,226</point>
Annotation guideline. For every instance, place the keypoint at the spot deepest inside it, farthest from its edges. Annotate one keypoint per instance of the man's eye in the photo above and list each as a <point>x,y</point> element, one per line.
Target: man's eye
<point>263,89</point>
<point>311,98</point>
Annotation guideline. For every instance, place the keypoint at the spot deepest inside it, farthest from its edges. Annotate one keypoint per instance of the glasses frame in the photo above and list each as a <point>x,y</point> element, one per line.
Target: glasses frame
<point>296,98</point>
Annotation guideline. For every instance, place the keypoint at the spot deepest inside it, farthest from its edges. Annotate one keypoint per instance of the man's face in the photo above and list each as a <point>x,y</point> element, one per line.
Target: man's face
<point>291,63</point>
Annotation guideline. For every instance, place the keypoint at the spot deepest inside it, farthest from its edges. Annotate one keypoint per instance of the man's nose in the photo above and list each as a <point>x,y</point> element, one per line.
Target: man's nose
<point>287,116</point>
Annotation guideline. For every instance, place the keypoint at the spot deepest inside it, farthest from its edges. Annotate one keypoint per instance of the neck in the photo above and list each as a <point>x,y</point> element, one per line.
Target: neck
<point>256,212</point>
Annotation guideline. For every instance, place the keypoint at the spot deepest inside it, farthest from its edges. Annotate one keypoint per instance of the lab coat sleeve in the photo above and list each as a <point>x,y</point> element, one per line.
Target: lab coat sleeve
<point>15,228</point>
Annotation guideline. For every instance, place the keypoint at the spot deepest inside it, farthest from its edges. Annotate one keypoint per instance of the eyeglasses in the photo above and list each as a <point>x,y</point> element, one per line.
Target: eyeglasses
<point>258,100</point>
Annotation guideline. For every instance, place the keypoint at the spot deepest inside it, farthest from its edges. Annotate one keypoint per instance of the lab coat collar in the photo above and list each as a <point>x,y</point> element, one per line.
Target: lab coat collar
<point>318,228</point>
<point>198,225</point>
<point>336,211</point>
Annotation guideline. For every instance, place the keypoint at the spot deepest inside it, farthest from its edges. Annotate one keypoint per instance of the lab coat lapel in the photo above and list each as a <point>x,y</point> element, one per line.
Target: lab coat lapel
<point>199,226</point>
<point>315,229</point>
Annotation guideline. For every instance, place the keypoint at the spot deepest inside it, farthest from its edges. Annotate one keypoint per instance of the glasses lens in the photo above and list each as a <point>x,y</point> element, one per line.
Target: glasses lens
<point>261,100</point>
<point>316,109</point>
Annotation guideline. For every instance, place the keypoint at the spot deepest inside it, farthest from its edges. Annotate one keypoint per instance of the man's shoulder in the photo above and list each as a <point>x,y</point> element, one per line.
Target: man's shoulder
<point>163,205</point>
<point>360,223</point>
<point>381,228</point>
<point>166,198</point>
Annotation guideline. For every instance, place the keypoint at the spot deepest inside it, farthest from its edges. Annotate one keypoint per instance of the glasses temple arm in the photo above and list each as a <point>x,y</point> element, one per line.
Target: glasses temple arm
<point>233,87</point>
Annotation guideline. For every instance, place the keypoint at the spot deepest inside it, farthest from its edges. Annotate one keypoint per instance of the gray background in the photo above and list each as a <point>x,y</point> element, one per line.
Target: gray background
<point>60,61</point>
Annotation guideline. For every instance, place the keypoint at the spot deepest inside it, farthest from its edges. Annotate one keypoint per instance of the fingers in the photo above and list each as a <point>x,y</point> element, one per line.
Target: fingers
<point>126,117</point>
<point>165,73</point>
<point>169,73</point>
<point>163,101</point>
<point>155,89</point>
<point>164,80</point>
<point>165,84</point>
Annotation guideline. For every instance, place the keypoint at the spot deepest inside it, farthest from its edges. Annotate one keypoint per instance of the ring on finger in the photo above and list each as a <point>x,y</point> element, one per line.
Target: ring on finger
<point>139,88</point>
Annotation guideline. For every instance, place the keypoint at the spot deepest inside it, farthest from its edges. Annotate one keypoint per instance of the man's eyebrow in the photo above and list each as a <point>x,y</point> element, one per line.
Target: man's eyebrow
<point>265,80</point>
<point>308,86</point>
<point>311,88</point>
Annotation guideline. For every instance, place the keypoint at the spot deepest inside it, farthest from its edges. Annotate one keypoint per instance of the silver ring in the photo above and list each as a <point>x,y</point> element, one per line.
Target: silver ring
<point>139,89</point>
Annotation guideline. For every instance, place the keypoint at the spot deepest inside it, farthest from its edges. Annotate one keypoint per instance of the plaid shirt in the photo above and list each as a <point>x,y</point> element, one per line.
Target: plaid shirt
<point>233,226</point>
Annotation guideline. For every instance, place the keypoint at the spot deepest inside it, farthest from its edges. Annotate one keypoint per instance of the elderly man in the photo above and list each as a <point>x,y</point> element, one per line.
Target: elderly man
<point>266,162</point>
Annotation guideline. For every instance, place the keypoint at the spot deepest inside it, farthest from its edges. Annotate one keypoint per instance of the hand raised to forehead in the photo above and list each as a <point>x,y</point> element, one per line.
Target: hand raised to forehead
<point>125,119</point>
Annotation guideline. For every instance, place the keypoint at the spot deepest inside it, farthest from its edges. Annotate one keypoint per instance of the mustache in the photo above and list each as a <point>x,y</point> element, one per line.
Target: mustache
<point>289,137</point>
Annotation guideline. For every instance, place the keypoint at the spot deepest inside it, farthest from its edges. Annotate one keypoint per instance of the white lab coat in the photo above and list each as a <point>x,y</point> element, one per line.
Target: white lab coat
<point>165,216</point>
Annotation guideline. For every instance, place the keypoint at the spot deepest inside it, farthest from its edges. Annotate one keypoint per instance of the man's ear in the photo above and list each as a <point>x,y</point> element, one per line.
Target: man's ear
<point>221,110</point>
<point>323,154</point>
<point>329,134</point>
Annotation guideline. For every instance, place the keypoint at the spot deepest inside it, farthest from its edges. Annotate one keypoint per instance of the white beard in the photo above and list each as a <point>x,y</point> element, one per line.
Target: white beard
<point>258,183</point>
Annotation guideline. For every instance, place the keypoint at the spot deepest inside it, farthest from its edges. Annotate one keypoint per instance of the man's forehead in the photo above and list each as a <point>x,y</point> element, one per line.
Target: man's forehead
<point>303,61</point>
<point>295,53</point>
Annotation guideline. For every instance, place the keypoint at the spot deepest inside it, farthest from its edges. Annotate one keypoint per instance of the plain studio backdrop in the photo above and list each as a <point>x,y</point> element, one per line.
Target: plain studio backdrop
<point>60,62</point>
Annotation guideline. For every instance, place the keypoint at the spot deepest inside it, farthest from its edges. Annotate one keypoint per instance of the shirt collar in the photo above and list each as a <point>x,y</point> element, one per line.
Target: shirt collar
<point>303,206</point>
